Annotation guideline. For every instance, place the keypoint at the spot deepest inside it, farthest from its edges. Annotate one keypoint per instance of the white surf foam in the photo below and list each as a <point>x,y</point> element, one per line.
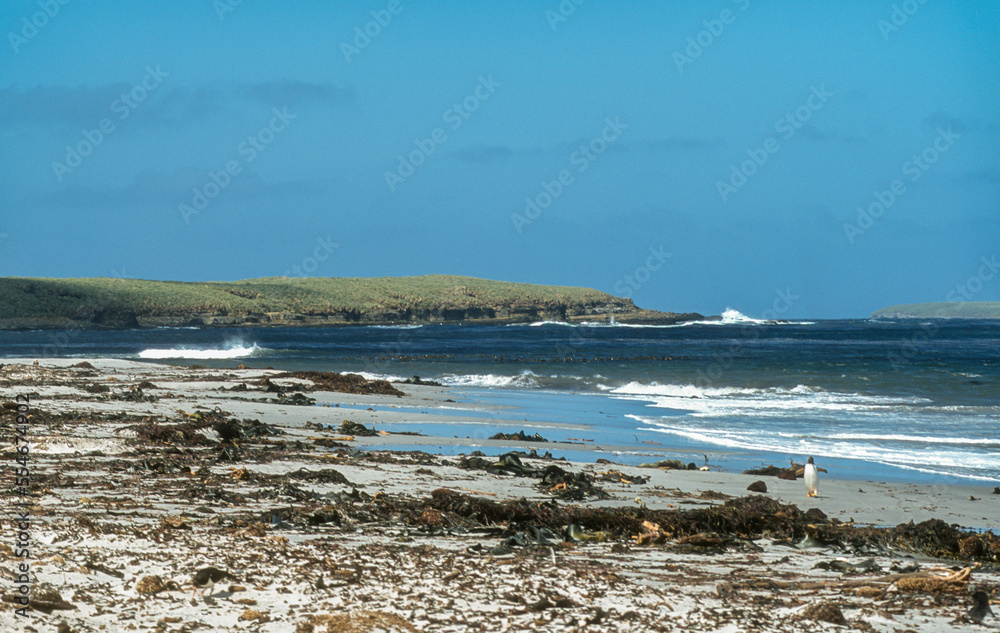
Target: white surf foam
<point>728,317</point>
<point>236,351</point>
<point>735,317</point>
<point>916,439</point>
<point>769,402</point>
<point>679,391</point>
<point>525,379</point>
<point>566,324</point>
<point>367,375</point>
<point>602,324</point>
<point>937,455</point>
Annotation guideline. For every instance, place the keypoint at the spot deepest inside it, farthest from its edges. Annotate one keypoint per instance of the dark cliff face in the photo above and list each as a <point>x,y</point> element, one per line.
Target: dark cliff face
<point>623,311</point>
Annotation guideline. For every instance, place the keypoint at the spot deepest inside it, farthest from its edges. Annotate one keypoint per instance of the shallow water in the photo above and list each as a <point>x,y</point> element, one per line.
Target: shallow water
<point>884,400</point>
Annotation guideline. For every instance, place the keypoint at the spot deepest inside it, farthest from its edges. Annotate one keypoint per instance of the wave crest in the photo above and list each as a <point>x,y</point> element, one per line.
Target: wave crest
<point>735,316</point>
<point>525,379</point>
<point>235,351</point>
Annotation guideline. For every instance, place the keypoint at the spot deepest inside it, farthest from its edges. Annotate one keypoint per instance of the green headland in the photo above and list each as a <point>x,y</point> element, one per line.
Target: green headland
<point>943,310</point>
<point>111,303</point>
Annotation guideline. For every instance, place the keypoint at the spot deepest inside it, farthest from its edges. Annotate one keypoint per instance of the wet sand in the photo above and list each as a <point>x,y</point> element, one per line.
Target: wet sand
<point>112,510</point>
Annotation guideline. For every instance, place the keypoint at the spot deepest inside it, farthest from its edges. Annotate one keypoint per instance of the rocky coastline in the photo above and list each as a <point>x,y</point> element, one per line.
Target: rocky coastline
<point>278,302</point>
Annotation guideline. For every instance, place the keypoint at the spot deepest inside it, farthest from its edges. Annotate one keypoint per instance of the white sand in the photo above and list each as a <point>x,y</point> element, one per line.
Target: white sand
<point>433,583</point>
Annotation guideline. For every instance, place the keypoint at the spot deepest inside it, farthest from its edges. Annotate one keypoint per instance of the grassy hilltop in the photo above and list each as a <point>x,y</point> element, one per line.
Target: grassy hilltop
<point>121,303</point>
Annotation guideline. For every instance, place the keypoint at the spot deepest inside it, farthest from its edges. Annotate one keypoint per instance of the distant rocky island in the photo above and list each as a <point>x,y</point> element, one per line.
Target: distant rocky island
<point>943,310</point>
<point>108,303</point>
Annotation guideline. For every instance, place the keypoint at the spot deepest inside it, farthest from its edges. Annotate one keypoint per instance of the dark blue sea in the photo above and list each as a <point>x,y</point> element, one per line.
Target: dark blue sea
<point>870,399</point>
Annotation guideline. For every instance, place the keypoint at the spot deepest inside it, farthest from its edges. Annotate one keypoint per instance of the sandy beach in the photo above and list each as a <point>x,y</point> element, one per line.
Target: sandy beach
<point>135,486</point>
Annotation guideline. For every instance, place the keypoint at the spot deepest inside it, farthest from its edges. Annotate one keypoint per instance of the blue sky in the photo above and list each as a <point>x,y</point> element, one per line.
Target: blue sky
<point>816,159</point>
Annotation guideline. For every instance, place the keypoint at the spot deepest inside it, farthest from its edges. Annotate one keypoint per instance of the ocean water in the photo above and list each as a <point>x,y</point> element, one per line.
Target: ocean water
<point>870,399</point>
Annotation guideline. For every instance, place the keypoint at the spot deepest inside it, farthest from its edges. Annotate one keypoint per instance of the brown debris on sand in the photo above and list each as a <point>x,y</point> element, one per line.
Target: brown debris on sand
<point>354,428</point>
<point>133,496</point>
<point>356,622</point>
<point>774,471</point>
<point>825,612</point>
<point>795,471</point>
<point>670,464</point>
<point>344,383</point>
<point>751,517</point>
<point>195,429</point>
<point>185,433</point>
<point>44,600</point>
<point>520,436</point>
<point>552,478</point>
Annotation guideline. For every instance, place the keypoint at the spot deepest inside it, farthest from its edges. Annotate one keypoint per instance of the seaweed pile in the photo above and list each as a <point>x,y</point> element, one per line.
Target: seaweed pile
<point>552,479</point>
<point>344,383</point>
<point>791,473</point>
<point>520,436</point>
<point>196,430</point>
<point>774,471</point>
<point>739,521</point>
<point>132,394</point>
<point>354,428</point>
<point>749,518</point>
<point>671,464</point>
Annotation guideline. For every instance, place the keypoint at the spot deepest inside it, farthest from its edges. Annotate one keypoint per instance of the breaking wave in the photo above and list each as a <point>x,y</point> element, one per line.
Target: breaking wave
<point>234,351</point>
<point>959,457</point>
<point>526,379</point>
<point>728,317</point>
<point>767,402</point>
<point>603,324</point>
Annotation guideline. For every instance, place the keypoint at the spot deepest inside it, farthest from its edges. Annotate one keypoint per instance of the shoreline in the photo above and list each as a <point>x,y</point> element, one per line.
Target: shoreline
<point>315,525</point>
<point>839,496</point>
<point>595,415</point>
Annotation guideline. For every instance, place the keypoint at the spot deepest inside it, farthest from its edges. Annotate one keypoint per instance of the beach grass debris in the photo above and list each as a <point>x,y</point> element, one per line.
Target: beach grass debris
<point>746,518</point>
<point>296,399</point>
<point>618,477</point>
<point>793,472</point>
<point>357,621</point>
<point>825,611</point>
<point>520,436</point>
<point>152,585</point>
<point>44,599</point>
<point>343,383</point>
<point>203,428</point>
<point>347,427</point>
<point>134,394</point>
<point>670,464</point>
<point>552,479</point>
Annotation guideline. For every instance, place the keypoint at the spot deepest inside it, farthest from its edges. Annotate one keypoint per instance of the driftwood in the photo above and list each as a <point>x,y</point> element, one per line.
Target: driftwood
<point>920,580</point>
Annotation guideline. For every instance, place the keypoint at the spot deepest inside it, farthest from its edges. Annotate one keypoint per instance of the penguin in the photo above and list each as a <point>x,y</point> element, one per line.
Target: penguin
<point>981,607</point>
<point>811,478</point>
<point>207,577</point>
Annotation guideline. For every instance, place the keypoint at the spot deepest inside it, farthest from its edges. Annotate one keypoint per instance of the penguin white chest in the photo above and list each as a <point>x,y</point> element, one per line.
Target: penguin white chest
<point>812,480</point>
